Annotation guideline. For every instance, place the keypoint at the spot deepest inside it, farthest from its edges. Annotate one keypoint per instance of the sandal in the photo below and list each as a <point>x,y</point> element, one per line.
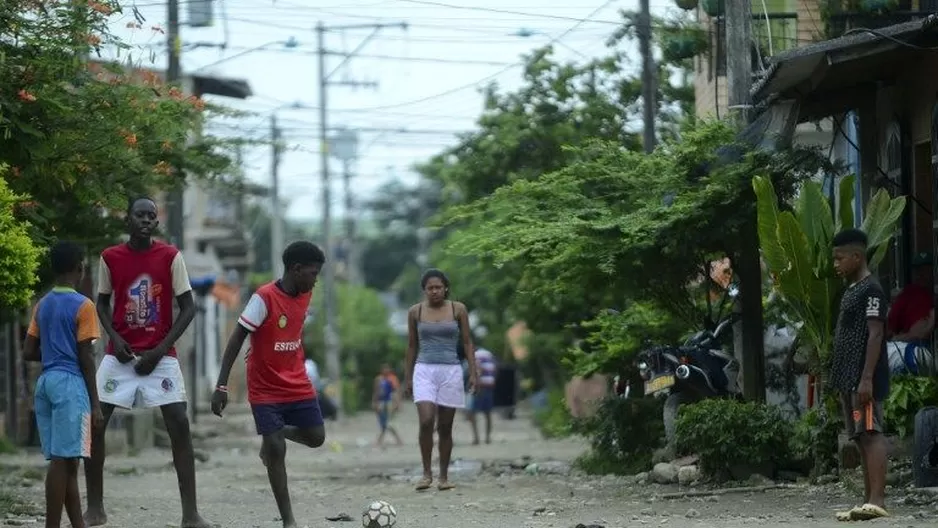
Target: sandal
<point>424,484</point>
<point>445,486</point>
<point>867,512</point>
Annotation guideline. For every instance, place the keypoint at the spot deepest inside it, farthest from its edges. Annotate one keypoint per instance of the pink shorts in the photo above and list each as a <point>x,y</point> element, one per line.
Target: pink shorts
<point>439,384</point>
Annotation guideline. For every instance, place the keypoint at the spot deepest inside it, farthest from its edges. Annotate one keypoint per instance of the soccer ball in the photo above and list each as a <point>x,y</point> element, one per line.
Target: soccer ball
<point>379,514</point>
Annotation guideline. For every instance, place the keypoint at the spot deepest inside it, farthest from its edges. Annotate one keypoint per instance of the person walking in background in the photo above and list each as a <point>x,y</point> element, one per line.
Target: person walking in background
<point>386,400</point>
<point>433,372</point>
<point>483,401</point>
<point>61,336</point>
<point>859,368</point>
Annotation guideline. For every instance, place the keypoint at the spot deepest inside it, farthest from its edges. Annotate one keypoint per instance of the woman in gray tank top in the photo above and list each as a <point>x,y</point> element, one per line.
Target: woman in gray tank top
<point>434,375</point>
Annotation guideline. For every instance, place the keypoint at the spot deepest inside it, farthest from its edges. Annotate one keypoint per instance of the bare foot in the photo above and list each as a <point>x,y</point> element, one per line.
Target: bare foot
<point>444,485</point>
<point>95,518</point>
<point>488,440</point>
<point>196,522</point>
<point>475,442</point>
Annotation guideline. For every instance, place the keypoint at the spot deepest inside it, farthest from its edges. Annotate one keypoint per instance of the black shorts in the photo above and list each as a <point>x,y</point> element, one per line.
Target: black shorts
<point>272,417</point>
<point>860,419</point>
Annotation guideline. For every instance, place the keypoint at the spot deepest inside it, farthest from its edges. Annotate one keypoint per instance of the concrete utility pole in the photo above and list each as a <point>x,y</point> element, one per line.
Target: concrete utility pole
<point>333,346</point>
<point>749,338</point>
<point>276,211</point>
<point>175,211</point>
<point>649,77</point>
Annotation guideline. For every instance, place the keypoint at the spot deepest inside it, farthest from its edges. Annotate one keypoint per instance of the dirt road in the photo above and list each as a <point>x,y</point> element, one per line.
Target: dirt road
<point>348,472</point>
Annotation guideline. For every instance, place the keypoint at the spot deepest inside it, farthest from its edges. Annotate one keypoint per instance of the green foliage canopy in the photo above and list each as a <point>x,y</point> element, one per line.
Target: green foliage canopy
<point>81,137</point>
<point>19,256</point>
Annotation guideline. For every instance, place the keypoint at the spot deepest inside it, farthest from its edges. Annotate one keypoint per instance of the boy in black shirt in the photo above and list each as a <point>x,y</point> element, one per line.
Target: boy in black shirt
<point>859,367</point>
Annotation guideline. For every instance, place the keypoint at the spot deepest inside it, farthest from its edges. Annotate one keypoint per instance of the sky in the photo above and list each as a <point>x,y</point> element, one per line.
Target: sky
<point>428,77</point>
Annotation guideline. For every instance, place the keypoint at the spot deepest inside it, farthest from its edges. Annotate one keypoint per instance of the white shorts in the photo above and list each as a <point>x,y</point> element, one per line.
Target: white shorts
<point>118,383</point>
<point>439,384</point>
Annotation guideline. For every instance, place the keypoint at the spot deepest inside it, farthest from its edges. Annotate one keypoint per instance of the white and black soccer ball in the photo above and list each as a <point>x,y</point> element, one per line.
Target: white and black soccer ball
<point>379,514</point>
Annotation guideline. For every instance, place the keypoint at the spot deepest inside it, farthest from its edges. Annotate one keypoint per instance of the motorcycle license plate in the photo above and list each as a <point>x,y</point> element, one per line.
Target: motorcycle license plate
<point>659,384</point>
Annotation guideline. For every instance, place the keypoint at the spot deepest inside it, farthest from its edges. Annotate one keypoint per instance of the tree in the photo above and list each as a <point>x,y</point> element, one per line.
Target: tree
<point>541,128</point>
<point>19,255</point>
<point>616,227</point>
<point>797,248</point>
<point>399,210</point>
<point>80,137</point>
<point>366,336</point>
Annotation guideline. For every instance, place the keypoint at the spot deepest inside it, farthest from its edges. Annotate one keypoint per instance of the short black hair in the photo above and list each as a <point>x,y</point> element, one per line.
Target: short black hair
<point>134,199</point>
<point>303,253</point>
<point>435,273</point>
<point>66,257</point>
<point>851,237</point>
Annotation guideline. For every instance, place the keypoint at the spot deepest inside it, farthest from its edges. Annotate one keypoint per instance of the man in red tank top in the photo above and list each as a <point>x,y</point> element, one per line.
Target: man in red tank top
<point>143,277</point>
<point>281,395</point>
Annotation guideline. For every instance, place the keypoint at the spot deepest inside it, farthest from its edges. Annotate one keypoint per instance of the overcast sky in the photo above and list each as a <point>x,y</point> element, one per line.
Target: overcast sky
<point>428,76</point>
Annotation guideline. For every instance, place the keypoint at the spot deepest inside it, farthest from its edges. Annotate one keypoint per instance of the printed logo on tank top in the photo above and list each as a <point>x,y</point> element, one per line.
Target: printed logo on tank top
<point>143,308</point>
<point>282,321</point>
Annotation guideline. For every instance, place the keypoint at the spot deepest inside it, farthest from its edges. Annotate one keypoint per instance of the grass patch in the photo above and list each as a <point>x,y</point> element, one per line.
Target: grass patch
<point>12,504</point>
<point>7,447</point>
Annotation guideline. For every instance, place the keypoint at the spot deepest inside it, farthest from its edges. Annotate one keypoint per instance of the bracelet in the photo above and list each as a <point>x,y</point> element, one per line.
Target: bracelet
<point>222,388</point>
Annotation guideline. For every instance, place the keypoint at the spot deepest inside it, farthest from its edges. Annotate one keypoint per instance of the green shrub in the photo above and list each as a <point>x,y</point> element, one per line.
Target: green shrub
<point>7,447</point>
<point>908,394</point>
<point>554,421</point>
<point>813,442</point>
<point>727,433</point>
<point>623,435</point>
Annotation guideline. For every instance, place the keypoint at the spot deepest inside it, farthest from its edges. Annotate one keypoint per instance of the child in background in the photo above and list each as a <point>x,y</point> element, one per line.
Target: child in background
<point>386,400</point>
<point>61,336</point>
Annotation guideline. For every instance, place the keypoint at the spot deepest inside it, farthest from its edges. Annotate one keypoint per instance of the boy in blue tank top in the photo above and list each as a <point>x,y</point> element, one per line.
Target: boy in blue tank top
<point>61,336</point>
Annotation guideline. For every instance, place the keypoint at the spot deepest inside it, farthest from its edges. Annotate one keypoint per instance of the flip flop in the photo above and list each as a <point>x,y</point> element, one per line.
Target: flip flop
<point>867,512</point>
<point>844,516</point>
<point>424,484</point>
<point>445,486</point>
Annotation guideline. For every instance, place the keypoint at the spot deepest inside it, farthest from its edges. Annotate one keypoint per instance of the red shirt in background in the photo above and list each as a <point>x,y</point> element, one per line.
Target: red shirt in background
<point>276,370</point>
<point>911,306</point>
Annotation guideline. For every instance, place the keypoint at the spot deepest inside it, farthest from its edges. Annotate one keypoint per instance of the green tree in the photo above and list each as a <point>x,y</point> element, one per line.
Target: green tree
<point>618,226</point>
<point>19,255</point>
<point>797,249</point>
<point>366,337</point>
<point>81,137</point>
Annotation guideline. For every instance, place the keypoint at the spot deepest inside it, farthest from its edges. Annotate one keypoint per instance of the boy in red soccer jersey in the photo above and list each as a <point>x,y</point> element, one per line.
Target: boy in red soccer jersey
<point>281,395</point>
<point>144,276</point>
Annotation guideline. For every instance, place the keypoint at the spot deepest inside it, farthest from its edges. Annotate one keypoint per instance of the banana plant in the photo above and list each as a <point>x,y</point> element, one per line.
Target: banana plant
<point>797,247</point>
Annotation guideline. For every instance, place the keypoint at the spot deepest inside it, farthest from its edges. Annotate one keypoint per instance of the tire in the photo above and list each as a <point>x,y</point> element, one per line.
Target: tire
<point>925,459</point>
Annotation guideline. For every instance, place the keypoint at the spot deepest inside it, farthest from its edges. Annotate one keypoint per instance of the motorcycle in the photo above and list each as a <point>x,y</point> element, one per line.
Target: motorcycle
<point>698,367</point>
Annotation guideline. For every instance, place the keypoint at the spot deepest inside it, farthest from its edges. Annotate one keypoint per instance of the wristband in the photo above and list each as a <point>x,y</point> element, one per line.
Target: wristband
<point>222,388</point>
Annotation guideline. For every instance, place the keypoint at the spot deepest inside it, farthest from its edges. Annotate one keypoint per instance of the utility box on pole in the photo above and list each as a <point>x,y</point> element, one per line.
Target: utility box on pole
<point>201,13</point>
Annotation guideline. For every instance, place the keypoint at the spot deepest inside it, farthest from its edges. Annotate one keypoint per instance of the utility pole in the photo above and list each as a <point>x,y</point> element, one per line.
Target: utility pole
<point>354,272</point>
<point>333,346</point>
<point>276,212</point>
<point>173,74</point>
<point>749,339</point>
<point>649,81</point>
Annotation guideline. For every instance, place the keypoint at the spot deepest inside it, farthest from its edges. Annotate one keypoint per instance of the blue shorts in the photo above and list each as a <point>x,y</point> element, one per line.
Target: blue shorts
<point>63,415</point>
<point>484,400</point>
<point>272,417</point>
<point>384,414</point>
